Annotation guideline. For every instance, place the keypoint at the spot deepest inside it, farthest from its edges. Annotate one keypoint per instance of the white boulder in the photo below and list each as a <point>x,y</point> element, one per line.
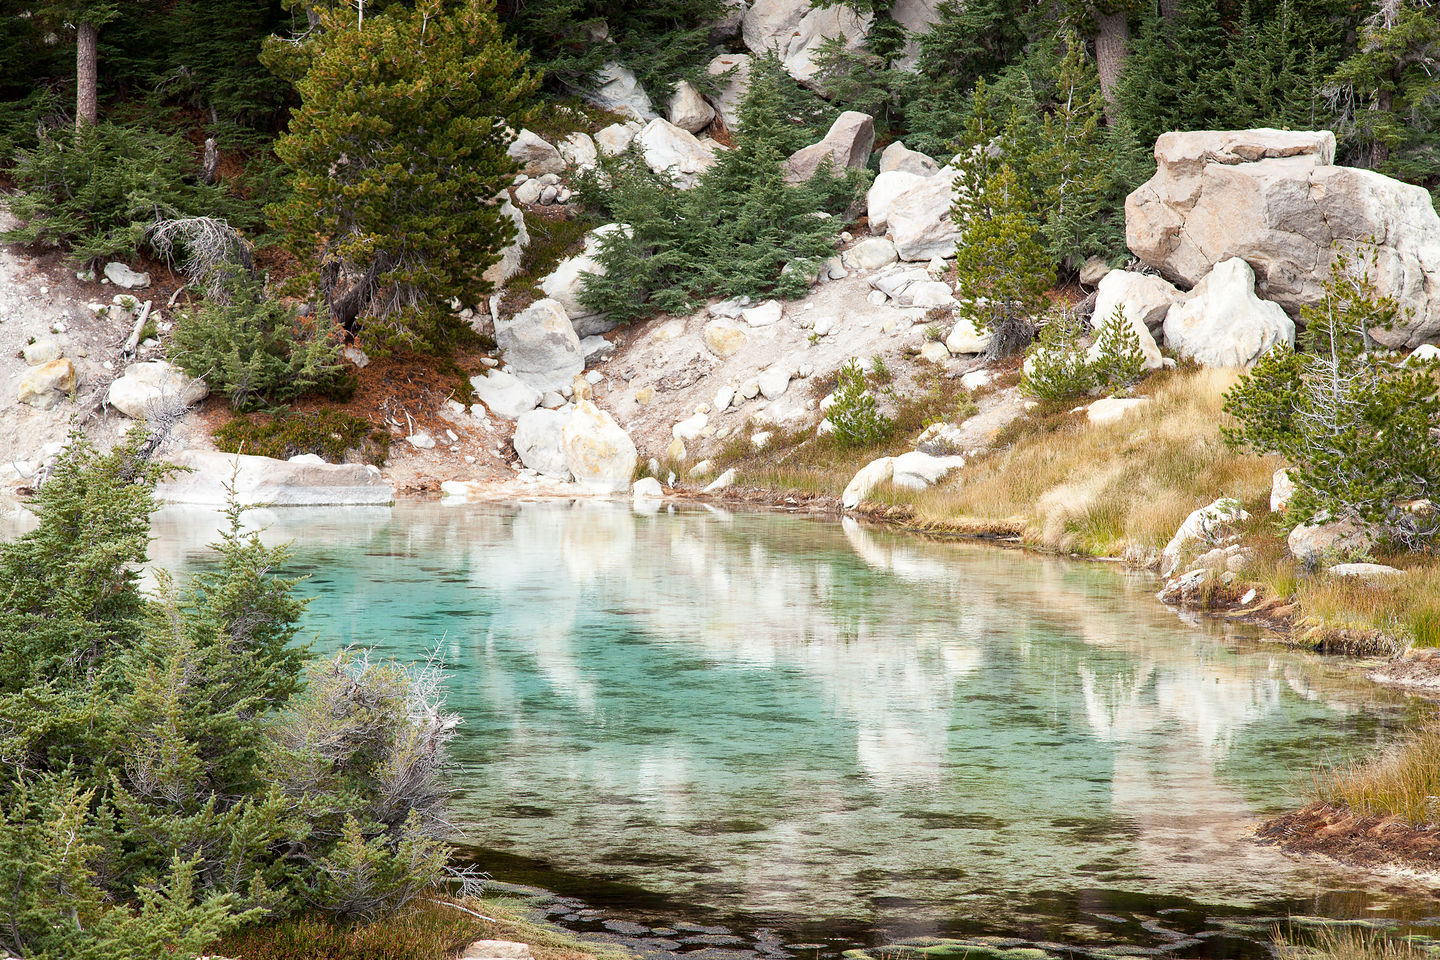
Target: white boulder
<point>41,351</point>
<point>883,191</point>
<point>866,479</point>
<point>916,470</point>
<point>1282,489</point>
<point>846,146</point>
<point>616,89</point>
<point>1223,323</point>
<point>965,337</point>
<point>764,314</point>
<point>122,276</point>
<point>615,139</point>
<point>774,381</point>
<point>1144,299</point>
<point>1113,409</point>
<point>1203,526</point>
<point>536,155</point>
<point>872,253</point>
<point>514,253</point>
<point>154,386</point>
<point>1331,542</point>
<point>918,220</point>
<point>566,283</point>
<point>540,346</point>
<point>540,442</point>
<point>734,71</point>
<point>688,110</point>
<point>599,452</point>
<point>505,394</point>
<point>898,157</point>
<point>668,149</point>
<point>263,480</point>
<point>579,150</point>
<point>44,385</point>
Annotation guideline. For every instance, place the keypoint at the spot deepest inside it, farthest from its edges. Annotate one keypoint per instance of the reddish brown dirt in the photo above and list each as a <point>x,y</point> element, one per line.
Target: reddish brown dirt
<point>1343,836</point>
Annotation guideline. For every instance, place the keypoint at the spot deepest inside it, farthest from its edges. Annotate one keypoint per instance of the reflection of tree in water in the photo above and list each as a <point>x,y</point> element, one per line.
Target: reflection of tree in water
<point>815,714</point>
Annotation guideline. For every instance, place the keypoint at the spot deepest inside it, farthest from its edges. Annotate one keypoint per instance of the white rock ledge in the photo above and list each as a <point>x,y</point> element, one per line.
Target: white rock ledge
<point>280,483</point>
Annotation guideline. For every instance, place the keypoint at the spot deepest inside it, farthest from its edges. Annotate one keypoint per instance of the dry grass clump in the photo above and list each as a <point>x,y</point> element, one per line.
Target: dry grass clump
<point>1097,490</point>
<point>428,930</point>
<point>1347,943</point>
<point>1403,782</point>
<point>1405,607</point>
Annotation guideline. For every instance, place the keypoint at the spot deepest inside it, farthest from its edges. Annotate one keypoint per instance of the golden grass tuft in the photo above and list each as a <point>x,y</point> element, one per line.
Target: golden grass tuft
<point>1347,943</point>
<point>427,930</point>
<point>1403,781</point>
<point>1097,490</point>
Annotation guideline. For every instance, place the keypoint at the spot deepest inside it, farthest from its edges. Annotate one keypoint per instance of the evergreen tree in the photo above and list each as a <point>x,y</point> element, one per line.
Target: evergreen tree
<point>1388,91</point>
<point>1003,270</point>
<point>397,155</point>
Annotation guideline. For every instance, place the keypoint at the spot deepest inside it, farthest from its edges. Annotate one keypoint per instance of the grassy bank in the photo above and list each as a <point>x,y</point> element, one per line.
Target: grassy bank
<point>427,930</point>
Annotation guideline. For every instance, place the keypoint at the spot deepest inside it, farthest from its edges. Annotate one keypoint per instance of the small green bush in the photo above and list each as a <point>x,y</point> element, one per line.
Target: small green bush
<point>1059,367</point>
<point>258,352</point>
<point>96,191</point>
<point>855,416</point>
<point>327,433</point>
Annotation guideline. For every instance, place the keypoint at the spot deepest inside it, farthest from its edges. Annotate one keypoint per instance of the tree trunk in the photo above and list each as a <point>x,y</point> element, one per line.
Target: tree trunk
<point>210,170</point>
<point>1169,8</point>
<point>1111,44</point>
<point>87,104</point>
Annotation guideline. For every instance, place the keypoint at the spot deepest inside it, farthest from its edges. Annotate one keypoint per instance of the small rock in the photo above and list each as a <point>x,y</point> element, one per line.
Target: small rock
<point>1113,409</point>
<point>763,315</point>
<point>1365,571</point>
<point>42,386</point>
<point>723,398</point>
<point>690,427</point>
<point>676,450</point>
<point>41,352</point>
<point>774,381</point>
<point>761,439</point>
<point>421,440</point>
<point>722,481</point>
<point>646,488</point>
<point>122,276</point>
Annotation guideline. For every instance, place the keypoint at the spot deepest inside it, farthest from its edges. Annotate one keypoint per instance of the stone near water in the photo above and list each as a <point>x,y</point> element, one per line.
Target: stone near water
<point>599,452</point>
<point>262,480</point>
<point>1205,525</point>
<point>540,346</point>
<point>721,482</point>
<point>1337,540</point>
<point>540,442</point>
<point>917,470</point>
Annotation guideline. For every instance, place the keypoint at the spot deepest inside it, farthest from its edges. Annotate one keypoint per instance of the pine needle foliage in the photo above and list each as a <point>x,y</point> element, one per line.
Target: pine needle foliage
<point>397,154</point>
<point>255,351</point>
<point>165,775</point>
<point>854,414</point>
<point>735,232</point>
<point>1358,425</point>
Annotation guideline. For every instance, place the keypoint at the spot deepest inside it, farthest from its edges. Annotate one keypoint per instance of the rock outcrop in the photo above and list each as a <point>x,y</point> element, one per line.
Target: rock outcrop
<point>154,386</point>
<point>616,89</point>
<point>1276,199</point>
<point>536,155</point>
<point>598,451</point>
<point>670,150</point>
<point>540,442</point>
<point>505,394</point>
<point>797,32</point>
<point>1222,323</point>
<point>540,346</point>
<point>846,145</point>
<point>566,282</point>
<point>688,110</point>
<point>281,483</point>
<point>917,219</point>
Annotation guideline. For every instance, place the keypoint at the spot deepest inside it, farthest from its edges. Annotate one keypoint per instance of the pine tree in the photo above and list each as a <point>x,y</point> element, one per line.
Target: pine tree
<point>1003,270</point>
<point>397,155</point>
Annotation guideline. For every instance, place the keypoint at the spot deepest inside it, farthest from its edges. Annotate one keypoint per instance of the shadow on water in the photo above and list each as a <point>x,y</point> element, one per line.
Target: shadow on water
<point>759,734</point>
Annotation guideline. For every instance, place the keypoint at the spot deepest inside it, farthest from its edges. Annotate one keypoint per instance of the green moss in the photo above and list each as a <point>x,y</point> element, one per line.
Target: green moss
<point>329,433</point>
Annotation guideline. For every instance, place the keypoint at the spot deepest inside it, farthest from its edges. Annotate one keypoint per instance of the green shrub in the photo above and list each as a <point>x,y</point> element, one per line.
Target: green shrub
<point>1059,367</point>
<point>258,352</point>
<point>733,234</point>
<point>95,192</point>
<point>854,414</point>
<point>1056,368</point>
<point>1358,426</point>
<point>327,433</point>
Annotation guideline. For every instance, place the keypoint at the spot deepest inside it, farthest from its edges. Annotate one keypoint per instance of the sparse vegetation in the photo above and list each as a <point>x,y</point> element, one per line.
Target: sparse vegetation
<point>326,432</point>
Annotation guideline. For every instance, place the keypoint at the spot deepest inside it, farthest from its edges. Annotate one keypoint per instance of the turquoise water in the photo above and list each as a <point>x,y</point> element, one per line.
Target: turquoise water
<point>767,718</point>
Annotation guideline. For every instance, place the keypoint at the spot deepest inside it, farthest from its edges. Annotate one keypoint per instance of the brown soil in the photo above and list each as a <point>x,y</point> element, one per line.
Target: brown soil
<point>1343,836</point>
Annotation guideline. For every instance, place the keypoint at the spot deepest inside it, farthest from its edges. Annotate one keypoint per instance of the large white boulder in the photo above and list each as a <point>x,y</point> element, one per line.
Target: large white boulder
<point>916,470</point>
<point>688,110</point>
<point>280,483</point>
<point>505,394</point>
<point>616,89</point>
<point>846,145</point>
<point>536,155</point>
<point>966,337</point>
<point>152,387</point>
<point>579,150</point>
<point>1143,296</point>
<point>1136,302</point>
<point>668,149</point>
<point>540,442</point>
<point>734,68</point>
<point>615,139</point>
<point>510,258</point>
<point>769,24</point>
<point>1276,199</point>
<point>1204,526</point>
<point>122,276</point>
<point>1222,323</point>
<point>815,29</point>
<point>898,157</point>
<point>598,451</point>
<point>566,283</point>
<point>917,17</point>
<point>917,218</point>
<point>872,253</point>
<point>540,346</point>
<point>882,193</point>
<point>866,479</point>
<point>1331,542</point>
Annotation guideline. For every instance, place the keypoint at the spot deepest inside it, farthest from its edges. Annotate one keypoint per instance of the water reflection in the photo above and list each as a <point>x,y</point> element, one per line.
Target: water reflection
<point>788,717</point>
